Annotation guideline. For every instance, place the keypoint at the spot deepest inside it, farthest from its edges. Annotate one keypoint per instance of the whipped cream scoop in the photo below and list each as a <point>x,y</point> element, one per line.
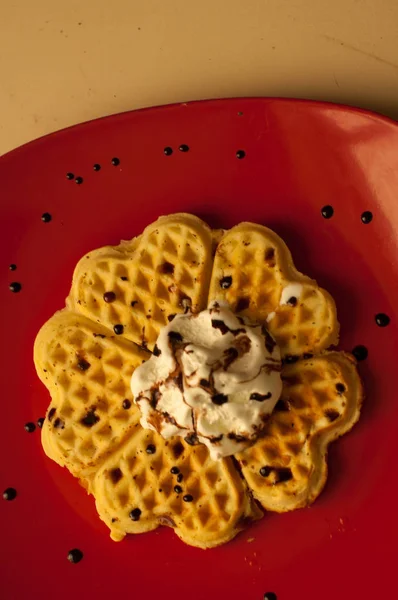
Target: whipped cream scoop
<point>213,378</point>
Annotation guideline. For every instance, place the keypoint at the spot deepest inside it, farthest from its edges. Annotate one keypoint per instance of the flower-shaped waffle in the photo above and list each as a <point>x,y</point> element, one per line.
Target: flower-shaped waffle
<point>85,355</point>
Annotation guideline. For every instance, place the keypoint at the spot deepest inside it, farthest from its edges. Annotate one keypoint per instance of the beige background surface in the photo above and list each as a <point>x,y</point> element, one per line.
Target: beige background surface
<point>63,62</point>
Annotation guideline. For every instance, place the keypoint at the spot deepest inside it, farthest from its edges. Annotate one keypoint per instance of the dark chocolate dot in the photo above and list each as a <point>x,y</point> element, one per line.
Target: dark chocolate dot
<point>178,489</point>
<point>97,167</point>
<point>29,427</point>
<point>59,424</point>
<point>40,422</point>
<point>89,419</point>
<point>51,413</point>
<point>135,514</point>
<point>83,364</point>
<point>327,211</point>
<point>75,555</point>
<point>10,494</point>
<point>219,399</point>
<point>180,477</point>
<point>265,471</point>
<point>118,329</point>
<point>46,217</point>
<point>183,148</point>
<point>13,267</point>
<point>174,470</point>
<point>168,151</point>
<point>174,336</point>
<point>340,388</point>
<point>260,397</point>
<point>366,217</point>
<point>187,498</point>
<point>70,176</point>
<point>126,403</point>
<point>79,180</point>
<point>360,352</point>
<point>226,282</point>
<point>115,161</point>
<point>151,449</point>
<point>292,301</point>
<point>270,596</point>
<point>15,287</point>
<point>382,320</point>
<point>240,154</point>
<point>156,351</point>
<point>109,297</point>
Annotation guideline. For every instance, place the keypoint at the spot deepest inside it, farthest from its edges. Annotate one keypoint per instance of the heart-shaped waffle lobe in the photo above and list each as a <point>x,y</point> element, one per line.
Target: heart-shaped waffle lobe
<point>88,374</point>
<point>321,400</point>
<point>120,299</point>
<point>252,268</point>
<point>177,485</point>
<point>138,286</point>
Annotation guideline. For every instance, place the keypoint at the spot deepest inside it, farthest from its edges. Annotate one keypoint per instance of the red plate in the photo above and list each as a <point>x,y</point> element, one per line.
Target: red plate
<point>295,158</point>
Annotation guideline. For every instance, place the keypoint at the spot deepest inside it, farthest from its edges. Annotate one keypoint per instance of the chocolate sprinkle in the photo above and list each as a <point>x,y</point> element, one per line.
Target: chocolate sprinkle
<point>126,404</point>
<point>180,477</point>
<point>178,489</point>
<point>168,151</point>
<point>90,419</point>
<point>340,387</point>
<point>46,217</point>
<point>219,399</point>
<point>9,494</point>
<point>13,267</point>
<point>59,424</point>
<point>15,287</point>
<point>226,282</point>
<point>118,329</point>
<point>382,320</point>
<point>265,471</point>
<point>260,397</point>
<point>109,297</point>
<point>151,449</point>
<point>360,352</point>
<point>40,422</point>
<point>75,555</point>
<point>29,427</point>
<point>83,364</point>
<point>187,498</point>
<point>327,212</point>
<point>191,439</point>
<point>115,161</point>
<point>51,413</point>
<point>135,514</point>
<point>174,470</point>
<point>174,336</point>
<point>292,301</point>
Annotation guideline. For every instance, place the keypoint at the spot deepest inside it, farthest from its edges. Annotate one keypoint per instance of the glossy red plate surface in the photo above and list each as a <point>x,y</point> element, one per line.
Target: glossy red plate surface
<point>300,156</point>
